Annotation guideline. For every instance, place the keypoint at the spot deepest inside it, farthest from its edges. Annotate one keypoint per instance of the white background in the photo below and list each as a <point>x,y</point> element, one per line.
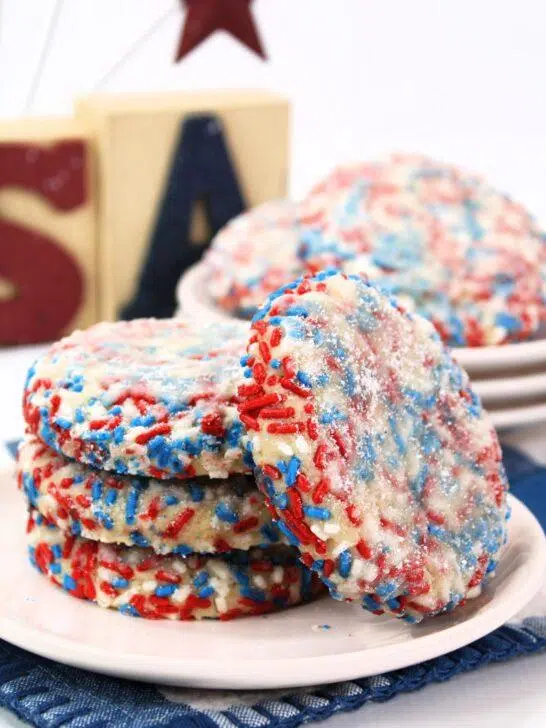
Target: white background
<point>460,79</point>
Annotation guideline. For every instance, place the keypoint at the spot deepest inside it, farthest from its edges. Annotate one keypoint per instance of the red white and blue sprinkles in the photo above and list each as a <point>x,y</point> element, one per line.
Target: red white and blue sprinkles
<point>252,256</point>
<point>372,449</point>
<point>445,243</point>
<point>146,397</point>
<point>140,583</point>
<point>197,515</point>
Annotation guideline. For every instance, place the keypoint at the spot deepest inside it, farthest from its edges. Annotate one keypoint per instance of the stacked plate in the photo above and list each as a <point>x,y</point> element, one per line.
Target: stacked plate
<point>510,379</point>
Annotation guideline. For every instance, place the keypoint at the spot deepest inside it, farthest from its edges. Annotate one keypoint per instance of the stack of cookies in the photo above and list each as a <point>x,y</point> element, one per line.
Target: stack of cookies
<point>378,473</point>
<point>137,479</point>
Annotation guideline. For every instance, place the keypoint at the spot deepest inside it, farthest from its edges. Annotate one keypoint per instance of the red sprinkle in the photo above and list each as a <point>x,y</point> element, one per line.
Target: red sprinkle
<point>145,437</point>
<point>259,402</point>
<point>276,337</point>
<point>264,351</point>
<point>294,388</point>
<point>246,524</point>
<point>280,428</point>
<point>175,526</point>
<point>321,489</point>
<point>212,424</point>
<point>259,373</point>
<point>271,472</point>
<point>363,549</point>
<point>296,504</point>
<point>277,413</point>
<point>251,423</point>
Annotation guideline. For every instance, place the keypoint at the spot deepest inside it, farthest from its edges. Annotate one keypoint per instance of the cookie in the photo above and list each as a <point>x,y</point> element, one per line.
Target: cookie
<point>198,515</point>
<point>446,244</point>
<point>138,582</point>
<point>252,256</point>
<point>372,448</point>
<point>147,397</point>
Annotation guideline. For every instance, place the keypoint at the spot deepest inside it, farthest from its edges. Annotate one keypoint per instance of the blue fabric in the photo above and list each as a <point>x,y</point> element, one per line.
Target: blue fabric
<point>48,694</point>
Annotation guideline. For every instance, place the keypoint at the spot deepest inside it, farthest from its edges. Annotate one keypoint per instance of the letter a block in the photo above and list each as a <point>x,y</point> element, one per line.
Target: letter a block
<point>136,138</point>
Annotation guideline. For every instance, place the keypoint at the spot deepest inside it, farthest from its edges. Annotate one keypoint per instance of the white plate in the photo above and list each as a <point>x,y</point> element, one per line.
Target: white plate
<point>506,389</point>
<point>506,357</point>
<point>191,295</point>
<point>287,649</point>
<point>505,417</point>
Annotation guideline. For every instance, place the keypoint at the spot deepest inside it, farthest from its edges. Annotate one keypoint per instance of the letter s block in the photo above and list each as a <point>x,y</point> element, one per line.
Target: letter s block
<point>47,230</point>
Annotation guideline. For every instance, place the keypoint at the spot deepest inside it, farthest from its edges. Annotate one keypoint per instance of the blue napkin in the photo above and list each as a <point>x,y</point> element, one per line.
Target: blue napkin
<point>48,694</point>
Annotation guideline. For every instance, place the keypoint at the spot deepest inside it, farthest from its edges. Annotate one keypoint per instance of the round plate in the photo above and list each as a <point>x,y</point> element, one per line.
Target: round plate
<point>525,354</point>
<point>507,389</point>
<point>318,643</point>
<point>191,295</point>
<point>504,417</point>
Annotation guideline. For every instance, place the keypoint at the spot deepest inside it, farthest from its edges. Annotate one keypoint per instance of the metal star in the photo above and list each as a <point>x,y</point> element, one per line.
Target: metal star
<point>204,17</point>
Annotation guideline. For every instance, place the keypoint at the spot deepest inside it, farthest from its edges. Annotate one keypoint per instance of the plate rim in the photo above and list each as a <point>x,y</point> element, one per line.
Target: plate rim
<point>224,674</point>
<point>504,418</point>
<point>473,359</point>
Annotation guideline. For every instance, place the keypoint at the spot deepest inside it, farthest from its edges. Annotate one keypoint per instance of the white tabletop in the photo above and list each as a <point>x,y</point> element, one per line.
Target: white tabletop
<point>495,696</point>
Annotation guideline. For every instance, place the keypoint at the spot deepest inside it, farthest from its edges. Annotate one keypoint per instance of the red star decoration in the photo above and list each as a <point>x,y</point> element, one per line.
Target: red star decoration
<point>204,17</point>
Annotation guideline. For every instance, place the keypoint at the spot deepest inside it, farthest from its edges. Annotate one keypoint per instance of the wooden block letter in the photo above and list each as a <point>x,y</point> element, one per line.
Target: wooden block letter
<point>137,137</point>
<point>47,231</point>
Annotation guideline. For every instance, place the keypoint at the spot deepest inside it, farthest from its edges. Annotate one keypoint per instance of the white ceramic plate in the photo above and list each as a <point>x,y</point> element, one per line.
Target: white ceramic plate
<point>507,389</point>
<point>191,295</point>
<point>507,357</point>
<point>505,416</point>
<point>288,649</point>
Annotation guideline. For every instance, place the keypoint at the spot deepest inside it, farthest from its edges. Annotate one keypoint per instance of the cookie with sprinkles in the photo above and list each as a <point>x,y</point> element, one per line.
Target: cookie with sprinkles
<point>252,256</point>
<point>197,515</point>
<point>372,448</point>
<point>147,397</point>
<point>138,582</point>
<point>449,246</point>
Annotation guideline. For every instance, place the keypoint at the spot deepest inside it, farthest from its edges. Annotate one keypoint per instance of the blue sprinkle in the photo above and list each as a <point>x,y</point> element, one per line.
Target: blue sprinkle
<point>165,590</point>
<point>182,550</point>
<point>201,579</point>
<point>371,603</point>
<point>129,609</point>
<point>69,583</point>
<point>280,501</point>
<point>304,378</point>
<point>292,539</point>
<point>225,513</point>
<point>63,423</point>
<point>57,551</point>
<point>385,590</point>
<point>119,583</point>
<point>321,514</point>
<point>344,563</point>
<point>508,322</point>
<point>111,497</point>
<point>139,540</point>
<point>171,500</point>
<point>206,592</point>
<point>131,506</point>
<point>96,490</point>
<point>292,470</point>
<point>275,363</point>
<point>270,533</point>
<point>55,568</point>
